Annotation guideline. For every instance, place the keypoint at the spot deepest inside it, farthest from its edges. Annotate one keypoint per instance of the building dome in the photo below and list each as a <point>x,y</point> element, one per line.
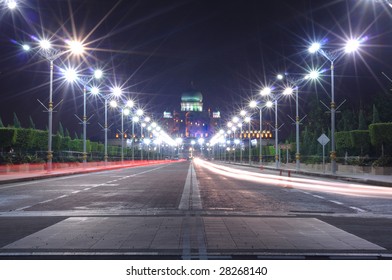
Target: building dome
<point>192,96</point>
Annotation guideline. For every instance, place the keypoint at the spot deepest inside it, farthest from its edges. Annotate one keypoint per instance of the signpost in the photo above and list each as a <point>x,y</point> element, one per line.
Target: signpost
<point>287,148</point>
<point>323,140</point>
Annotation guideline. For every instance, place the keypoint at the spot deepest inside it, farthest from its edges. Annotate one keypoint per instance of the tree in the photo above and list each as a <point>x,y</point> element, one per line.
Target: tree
<point>61,130</point>
<point>376,116</point>
<point>362,121</point>
<point>76,136</point>
<point>31,123</point>
<point>1,123</point>
<point>17,123</point>
<point>66,133</point>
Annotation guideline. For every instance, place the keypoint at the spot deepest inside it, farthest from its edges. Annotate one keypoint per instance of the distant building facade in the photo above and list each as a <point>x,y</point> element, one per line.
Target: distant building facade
<point>192,121</point>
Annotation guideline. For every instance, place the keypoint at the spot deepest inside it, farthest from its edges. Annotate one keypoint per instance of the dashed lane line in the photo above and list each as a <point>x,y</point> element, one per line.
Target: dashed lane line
<point>86,189</point>
<point>336,202</point>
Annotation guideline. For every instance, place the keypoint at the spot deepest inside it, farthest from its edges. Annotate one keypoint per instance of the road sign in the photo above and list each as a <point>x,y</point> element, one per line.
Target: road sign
<point>323,139</point>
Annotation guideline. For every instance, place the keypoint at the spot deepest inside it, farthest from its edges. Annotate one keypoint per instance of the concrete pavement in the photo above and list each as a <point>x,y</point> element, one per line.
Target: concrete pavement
<point>191,236</point>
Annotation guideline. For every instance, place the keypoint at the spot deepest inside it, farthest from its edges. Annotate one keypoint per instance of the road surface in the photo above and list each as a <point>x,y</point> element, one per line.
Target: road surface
<point>194,210</point>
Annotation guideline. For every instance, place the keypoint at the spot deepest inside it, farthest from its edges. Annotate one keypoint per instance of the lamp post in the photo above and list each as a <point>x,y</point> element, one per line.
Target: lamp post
<point>236,120</point>
<point>135,119</point>
<point>248,120</point>
<point>50,54</point>
<point>96,91</point>
<point>85,81</point>
<point>352,45</point>
<point>229,131</point>
<point>242,114</point>
<point>253,104</point>
<point>142,125</point>
<point>125,110</point>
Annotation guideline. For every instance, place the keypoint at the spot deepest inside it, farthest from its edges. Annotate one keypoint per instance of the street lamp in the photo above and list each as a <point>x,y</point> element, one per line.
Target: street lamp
<point>248,120</point>
<point>143,124</point>
<point>312,75</point>
<point>135,119</point>
<point>11,4</point>
<point>352,45</point>
<point>125,111</point>
<point>254,104</point>
<point>96,91</point>
<point>71,75</point>
<point>49,54</point>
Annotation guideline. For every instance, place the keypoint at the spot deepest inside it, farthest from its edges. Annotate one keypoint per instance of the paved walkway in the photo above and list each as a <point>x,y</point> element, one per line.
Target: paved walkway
<point>190,234</point>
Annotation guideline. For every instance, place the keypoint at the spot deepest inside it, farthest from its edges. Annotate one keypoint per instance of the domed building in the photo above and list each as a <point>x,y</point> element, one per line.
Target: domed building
<point>192,101</point>
<point>192,122</point>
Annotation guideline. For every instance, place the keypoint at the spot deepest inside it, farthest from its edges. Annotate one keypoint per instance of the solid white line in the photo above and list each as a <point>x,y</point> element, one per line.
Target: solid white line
<point>318,196</point>
<point>184,202</point>
<point>190,198</point>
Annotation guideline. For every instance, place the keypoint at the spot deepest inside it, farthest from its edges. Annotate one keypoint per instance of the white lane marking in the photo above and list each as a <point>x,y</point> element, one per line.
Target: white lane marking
<point>97,173</point>
<point>85,189</point>
<point>336,202</point>
<point>23,208</point>
<point>318,196</point>
<point>190,198</point>
<point>357,209</point>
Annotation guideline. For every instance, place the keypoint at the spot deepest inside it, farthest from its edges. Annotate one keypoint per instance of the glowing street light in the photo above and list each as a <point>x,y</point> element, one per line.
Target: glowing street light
<point>116,91</point>
<point>76,47</point>
<point>253,104</point>
<point>26,47</point>
<point>249,120</point>
<point>125,111</point>
<point>49,54</point>
<point>70,75</point>
<point>288,91</point>
<point>351,46</point>
<point>45,44</point>
<point>98,74</point>
<point>95,90</point>
<point>11,4</point>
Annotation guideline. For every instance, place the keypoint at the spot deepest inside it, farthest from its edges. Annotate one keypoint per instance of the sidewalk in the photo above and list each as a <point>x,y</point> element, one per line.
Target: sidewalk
<point>30,172</point>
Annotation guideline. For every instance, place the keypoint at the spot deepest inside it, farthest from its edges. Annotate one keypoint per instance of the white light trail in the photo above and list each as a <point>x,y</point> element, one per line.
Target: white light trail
<point>348,189</point>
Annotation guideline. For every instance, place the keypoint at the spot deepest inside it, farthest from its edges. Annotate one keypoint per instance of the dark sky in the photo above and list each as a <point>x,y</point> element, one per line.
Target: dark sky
<point>155,49</point>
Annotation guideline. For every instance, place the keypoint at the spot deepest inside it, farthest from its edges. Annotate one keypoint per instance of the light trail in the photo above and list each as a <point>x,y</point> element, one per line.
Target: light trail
<point>349,189</point>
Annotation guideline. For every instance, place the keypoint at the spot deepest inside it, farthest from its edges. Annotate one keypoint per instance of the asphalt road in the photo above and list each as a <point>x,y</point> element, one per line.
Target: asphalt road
<point>194,210</point>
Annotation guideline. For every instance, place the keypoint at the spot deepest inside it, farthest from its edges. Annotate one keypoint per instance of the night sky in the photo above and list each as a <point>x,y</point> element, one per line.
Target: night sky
<point>155,49</point>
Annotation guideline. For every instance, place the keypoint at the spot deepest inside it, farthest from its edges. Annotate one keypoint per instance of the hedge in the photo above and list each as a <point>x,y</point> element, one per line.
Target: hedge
<point>7,137</point>
<point>360,140</point>
<point>343,143</point>
<point>381,136</point>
